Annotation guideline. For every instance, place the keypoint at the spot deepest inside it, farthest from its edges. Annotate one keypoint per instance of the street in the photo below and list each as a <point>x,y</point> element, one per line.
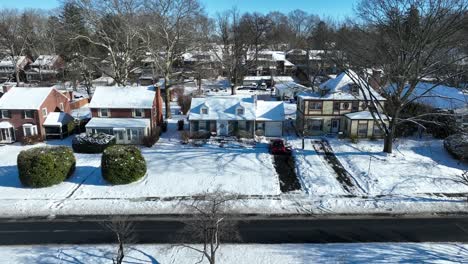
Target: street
<point>254,230</point>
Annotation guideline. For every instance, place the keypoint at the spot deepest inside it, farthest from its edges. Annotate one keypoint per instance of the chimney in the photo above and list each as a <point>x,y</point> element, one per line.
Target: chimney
<point>255,99</point>
<point>375,80</point>
<point>7,88</point>
<point>159,114</point>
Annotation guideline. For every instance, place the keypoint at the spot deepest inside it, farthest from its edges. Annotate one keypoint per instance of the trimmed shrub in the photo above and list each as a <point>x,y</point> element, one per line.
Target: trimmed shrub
<point>31,140</point>
<point>201,135</point>
<point>92,144</point>
<point>122,164</point>
<point>457,145</point>
<point>45,166</point>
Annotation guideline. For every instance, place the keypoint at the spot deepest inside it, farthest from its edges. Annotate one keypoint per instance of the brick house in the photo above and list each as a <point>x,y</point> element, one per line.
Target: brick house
<point>25,110</point>
<point>129,113</point>
<point>337,107</point>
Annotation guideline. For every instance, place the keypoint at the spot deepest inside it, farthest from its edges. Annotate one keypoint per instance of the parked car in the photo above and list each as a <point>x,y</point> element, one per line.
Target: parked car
<point>278,147</point>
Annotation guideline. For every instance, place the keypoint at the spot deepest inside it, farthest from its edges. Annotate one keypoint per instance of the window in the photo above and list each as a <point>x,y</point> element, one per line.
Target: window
<point>202,125</point>
<point>345,105</point>
<point>354,89</point>
<point>29,130</point>
<point>6,114</point>
<point>104,112</point>
<point>242,125</point>
<point>314,125</point>
<point>138,113</point>
<point>62,108</point>
<point>28,114</point>
<point>355,107</point>
<point>44,112</point>
<point>240,111</point>
<point>204,111</point>
<point>362,129</point>
<point>315,105</point>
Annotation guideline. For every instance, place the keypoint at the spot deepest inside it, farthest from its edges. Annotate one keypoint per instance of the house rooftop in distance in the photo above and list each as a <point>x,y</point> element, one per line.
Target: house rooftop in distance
<point>123,97</point>
<point>340,88</point>
<point>18,98</point>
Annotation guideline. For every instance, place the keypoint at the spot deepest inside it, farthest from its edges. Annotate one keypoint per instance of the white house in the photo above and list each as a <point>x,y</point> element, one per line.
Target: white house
<point>240,116</point>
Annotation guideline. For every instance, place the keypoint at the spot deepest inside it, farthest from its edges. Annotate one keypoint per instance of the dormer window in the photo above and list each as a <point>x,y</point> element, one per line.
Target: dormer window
<point>354,89</point>
<point>240,111</point>
<point>204,111</point>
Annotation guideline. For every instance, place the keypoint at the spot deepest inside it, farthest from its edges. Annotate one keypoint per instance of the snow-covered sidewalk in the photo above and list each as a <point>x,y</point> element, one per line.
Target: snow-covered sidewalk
<point>246,253</point>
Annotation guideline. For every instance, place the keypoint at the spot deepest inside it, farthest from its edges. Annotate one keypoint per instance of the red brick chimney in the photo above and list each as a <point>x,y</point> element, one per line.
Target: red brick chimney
<point>7,88</point>
<point>159,104</point>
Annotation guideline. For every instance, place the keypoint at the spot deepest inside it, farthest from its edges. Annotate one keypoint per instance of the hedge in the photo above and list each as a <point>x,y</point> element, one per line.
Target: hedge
<point>45,166</point>
<point>122,164</point>
<point>457,145</point>
<point>92,144</point>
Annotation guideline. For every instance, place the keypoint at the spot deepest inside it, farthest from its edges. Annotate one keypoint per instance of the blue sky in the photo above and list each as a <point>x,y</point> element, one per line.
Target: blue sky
<point>324,8</point>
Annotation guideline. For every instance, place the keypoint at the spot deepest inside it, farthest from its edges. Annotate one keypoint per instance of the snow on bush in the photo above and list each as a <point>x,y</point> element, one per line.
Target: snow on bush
<point>457,145</point>
<point>95,143</point>
<point>45,166</point>
<point>122,164</point>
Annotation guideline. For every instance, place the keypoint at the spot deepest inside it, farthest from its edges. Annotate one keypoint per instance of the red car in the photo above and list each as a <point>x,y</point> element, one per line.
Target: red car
<point>277,147</point>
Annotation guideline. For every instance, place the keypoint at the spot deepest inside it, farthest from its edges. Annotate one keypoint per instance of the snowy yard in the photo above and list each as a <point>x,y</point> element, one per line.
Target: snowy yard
<point>247,253</point>
<point>173,170</point>
<point>416,166</point>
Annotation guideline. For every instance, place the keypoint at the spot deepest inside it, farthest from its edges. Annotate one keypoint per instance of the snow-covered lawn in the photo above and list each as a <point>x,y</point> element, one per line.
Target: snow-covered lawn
<point>246,253</point>
<point>315,175</point>
<point>173,170</point>
<point>415,166</point>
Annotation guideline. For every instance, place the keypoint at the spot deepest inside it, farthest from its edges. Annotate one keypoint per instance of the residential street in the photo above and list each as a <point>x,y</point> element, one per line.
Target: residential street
<point>273,230</point>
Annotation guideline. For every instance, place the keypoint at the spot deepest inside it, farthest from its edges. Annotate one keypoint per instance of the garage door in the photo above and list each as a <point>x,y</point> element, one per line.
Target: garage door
<point>273,129</point>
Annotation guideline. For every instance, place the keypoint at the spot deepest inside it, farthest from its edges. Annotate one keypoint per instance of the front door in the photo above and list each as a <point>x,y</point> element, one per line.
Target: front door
<point>335,125</point>
<point>119,135</point>
<point>222,127</point>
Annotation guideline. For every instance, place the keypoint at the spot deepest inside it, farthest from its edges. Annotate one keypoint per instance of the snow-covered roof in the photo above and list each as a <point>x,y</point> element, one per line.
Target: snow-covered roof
<point>267,77</point>
<point>24,98</point>
<point>7,61</point>
<point>225,108</point>
<point>104,79</point>
<point>81,113</point>
<point>222,108</point>
<point>57,119</point>
<point>269,111</point>
<point>5,124</point>
<point>45,60</point>
<point>123,97</point>
<point>363,115</point>
<point>440,96</point>
<point>97,122</point>
<point>339,88</point>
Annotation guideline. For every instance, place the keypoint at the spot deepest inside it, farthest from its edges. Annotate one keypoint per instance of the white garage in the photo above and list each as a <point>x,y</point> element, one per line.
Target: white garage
<point>273,129</point>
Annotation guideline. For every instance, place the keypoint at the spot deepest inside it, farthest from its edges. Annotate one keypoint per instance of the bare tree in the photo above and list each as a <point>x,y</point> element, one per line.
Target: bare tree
<point>210,224</point>
<point>409,40</point>
<point>115,29</point>
<point>15,36</point>
<point>124,233</point>
<point>171,29</point>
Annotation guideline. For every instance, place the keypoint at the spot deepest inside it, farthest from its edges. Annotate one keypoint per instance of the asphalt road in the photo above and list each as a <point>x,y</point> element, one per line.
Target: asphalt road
<point>70,231</point>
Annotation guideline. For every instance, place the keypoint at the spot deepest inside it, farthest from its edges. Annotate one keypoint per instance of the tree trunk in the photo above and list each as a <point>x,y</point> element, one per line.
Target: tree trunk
<point>388,143</point>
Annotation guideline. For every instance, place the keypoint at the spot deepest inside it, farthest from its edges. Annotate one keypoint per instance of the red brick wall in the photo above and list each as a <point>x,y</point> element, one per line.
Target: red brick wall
<point>52,102</point>
<point>78,103</point>
<point>17,122</point>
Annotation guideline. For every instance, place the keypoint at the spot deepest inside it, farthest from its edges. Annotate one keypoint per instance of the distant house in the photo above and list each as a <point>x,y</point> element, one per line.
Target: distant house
<point>103,81</point>
<point>46,68</point>
<point>129,113</point>
<point>7,68</point>
<point>337,107</point>
<point>236,116</point>
<point>288,90</point>
<point>269,62</point>
<point>442,97</point>
<point>36,111</point>
<point>265,80</point>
